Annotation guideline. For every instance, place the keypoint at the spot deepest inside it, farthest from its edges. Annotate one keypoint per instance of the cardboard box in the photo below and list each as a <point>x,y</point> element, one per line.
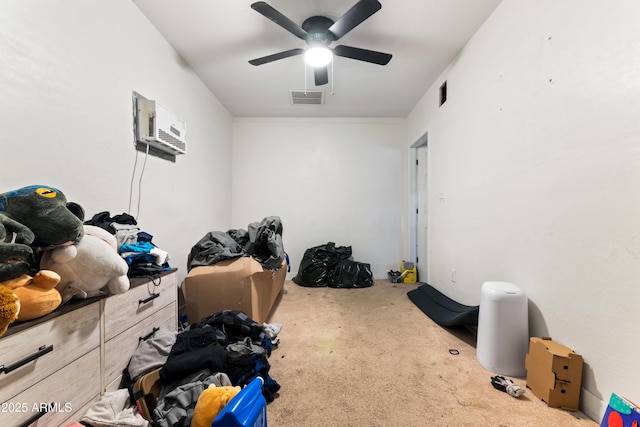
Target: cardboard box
<point>554,373</point>
<point>621,413</point>
<point>237,284</point>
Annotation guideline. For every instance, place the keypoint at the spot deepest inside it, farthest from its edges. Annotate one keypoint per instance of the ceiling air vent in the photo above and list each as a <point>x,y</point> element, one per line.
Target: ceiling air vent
<point>309,97</point>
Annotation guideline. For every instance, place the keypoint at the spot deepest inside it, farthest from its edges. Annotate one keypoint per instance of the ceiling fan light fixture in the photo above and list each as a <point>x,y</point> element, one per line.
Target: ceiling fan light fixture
<point>318,56</point>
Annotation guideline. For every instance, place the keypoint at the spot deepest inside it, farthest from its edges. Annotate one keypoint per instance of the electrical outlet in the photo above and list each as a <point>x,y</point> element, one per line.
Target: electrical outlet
<point>453,275</point>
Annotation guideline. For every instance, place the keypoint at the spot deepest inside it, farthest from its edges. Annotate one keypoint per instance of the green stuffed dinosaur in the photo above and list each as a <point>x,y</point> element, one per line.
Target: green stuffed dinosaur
<point>34,217</point>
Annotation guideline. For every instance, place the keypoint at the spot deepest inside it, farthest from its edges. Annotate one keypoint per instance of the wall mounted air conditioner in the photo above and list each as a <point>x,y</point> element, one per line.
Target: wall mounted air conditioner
<point>159,128</point>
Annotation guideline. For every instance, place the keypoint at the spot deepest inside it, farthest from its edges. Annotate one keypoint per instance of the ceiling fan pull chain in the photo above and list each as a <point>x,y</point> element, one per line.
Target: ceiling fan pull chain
<point>305,79</point>
<point>332,92</point>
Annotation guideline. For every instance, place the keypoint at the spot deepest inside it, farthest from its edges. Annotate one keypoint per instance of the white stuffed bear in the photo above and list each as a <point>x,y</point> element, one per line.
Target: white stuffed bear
<point>88,266</point>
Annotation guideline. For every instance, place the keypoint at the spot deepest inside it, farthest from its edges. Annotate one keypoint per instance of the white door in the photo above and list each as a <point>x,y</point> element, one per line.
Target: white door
<point>422,176</point>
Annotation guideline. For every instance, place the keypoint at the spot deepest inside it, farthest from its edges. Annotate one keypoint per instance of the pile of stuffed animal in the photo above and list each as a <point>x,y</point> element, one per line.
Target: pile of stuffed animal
<point>48,256</point>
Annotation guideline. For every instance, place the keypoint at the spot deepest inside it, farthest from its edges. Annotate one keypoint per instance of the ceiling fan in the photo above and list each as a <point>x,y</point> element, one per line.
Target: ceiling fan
<point>319,32</point>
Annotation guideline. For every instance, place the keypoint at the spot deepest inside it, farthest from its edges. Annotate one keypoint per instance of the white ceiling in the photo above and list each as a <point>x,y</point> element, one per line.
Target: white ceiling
<point>217,38</point>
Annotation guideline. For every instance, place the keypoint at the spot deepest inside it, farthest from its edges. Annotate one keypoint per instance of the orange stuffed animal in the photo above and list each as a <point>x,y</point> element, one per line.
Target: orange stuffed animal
<point>37,295</point>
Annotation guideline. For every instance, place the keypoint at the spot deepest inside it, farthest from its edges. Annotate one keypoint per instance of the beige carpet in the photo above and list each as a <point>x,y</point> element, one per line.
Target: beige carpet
<point>370,357</point>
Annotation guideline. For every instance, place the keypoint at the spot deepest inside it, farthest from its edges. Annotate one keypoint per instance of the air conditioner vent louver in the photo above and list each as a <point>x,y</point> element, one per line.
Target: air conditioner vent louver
<point>309,97</point>
<point>171,140</point>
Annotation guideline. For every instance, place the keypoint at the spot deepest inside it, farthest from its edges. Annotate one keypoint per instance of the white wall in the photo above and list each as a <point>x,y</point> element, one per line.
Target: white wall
<point>534,177</point>
<point>533,159</point>
<point>338,180</point>
<point>67,72</point>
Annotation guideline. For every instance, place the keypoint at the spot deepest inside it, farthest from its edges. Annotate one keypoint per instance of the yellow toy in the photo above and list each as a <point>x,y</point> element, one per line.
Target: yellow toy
<point>9,308</point>
<point>37,295</point>
<point>210,403</point>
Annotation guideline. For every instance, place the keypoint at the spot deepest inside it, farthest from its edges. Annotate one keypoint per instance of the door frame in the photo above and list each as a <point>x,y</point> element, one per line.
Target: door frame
<point>422,141</point>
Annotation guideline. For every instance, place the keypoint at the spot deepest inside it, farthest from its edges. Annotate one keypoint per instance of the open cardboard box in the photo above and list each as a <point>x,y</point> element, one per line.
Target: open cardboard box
<point>554,373</point>
<point>237,284</point>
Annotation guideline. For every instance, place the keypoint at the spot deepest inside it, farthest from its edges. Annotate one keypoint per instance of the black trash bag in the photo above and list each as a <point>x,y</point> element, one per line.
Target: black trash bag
<point>351,274</point>
<point>318,261</point>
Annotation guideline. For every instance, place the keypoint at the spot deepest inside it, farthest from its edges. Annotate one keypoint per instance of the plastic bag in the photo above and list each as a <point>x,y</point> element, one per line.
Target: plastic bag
<point>318,261</point>
<point>351,274</point>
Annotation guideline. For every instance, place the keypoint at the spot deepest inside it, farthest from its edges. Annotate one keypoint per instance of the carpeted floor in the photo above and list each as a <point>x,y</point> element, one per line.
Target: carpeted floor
<point>370,357</point>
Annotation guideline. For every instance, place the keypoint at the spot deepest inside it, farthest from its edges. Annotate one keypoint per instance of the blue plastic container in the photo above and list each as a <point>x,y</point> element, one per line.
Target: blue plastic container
<point>247,409</point>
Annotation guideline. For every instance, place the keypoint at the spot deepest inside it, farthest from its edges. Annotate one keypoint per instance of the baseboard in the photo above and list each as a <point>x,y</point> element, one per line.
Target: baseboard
<point>592,406</point>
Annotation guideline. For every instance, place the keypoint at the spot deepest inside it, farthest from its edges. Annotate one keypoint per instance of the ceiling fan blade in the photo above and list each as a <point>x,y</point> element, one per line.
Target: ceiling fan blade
<point>354,17</point>
<point>321,75</point>
<point>365,55</point>
<point>276,56</point>
<point>277,17</point>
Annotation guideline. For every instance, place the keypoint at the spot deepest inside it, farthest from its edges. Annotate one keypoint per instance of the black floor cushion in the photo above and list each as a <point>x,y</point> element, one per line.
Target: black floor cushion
<point>442,309</point>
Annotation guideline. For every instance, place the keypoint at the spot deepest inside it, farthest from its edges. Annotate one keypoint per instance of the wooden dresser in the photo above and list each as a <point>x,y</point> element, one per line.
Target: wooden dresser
<point>53,368</point>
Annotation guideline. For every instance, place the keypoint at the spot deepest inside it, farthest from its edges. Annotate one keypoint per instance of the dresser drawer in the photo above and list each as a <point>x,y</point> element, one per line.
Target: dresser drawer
<point>119,350</point>
<point>63,392</point>
<point>125,310</point>
<point>68,337</point>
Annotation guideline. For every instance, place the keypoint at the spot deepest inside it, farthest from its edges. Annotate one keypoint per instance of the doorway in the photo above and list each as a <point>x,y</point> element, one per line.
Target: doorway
<point>419,197</point>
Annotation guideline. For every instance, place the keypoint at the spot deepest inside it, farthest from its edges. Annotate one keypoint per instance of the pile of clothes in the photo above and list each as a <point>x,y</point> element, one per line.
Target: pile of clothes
<point>134,245</point>
<point>262,241</point>
<point>216,357</point>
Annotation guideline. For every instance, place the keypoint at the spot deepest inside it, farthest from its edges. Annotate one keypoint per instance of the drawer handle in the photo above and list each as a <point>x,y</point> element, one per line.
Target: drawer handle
<point>149,335</point>
<point>151,298</point>
<point>37,416</point>
<point>41,352</point>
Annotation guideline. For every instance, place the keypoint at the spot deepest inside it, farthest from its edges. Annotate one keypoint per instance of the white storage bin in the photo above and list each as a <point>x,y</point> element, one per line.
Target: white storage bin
<point>503,329</point>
